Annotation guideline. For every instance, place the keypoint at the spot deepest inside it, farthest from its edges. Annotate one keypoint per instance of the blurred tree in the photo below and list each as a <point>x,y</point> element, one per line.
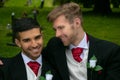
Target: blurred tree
<point>115,3</point>
<point>1,3</point>
<point>87,3</point>
<point>60,2</point>
<point>102,6</point>
<point>64,1</point>
<point>42,3</point>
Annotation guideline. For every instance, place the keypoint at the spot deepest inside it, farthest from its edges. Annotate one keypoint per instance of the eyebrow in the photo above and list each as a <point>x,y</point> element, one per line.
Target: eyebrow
<point>38,36</point>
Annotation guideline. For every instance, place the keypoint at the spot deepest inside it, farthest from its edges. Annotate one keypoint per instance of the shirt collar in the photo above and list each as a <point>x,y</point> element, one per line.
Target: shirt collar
<point>82,44</point>
<point>27,59</point>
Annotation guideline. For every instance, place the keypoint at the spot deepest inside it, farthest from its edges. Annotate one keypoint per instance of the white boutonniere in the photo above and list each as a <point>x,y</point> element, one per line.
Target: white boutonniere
<point>48,76</point>
<point>92,64</point>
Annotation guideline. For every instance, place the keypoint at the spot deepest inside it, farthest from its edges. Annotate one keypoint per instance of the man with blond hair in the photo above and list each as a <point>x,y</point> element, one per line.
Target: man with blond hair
<point>76,55</point>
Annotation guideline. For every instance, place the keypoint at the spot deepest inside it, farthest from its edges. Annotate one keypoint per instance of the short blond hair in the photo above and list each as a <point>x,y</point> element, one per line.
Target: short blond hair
<point>69,10</point>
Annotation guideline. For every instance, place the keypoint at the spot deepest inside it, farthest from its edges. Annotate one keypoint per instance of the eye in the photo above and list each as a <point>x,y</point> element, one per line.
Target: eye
<point>54,29</point>
<point>60,27</point>
<point>26,40</point>
<point>38,37</point>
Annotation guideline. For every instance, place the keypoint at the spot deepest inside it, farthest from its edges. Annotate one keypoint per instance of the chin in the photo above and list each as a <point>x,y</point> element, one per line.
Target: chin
<point>65,44</point>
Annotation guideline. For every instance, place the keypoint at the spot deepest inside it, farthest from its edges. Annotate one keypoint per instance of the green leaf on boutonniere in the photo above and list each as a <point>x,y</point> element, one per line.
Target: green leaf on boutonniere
<point>92,64</point>
<point>93,58</point>
<point>42,78</point>
<point>48,75</point>
<point>98,68</point>
<point>48,72</point>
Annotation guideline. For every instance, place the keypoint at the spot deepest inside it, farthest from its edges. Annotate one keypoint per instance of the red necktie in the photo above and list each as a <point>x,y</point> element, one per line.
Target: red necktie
<point>34,66</point>
<point>76,52</point>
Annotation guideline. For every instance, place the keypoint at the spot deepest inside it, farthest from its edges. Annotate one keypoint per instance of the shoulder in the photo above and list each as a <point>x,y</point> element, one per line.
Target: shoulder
<point>55,43</point>
<point>14,61</point>
<point>104,48</point>
<point>102,43</point>
<point>55,40</point>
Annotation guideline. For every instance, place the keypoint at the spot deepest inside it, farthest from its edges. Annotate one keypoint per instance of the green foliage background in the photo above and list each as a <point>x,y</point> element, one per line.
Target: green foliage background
<point>103,27</point>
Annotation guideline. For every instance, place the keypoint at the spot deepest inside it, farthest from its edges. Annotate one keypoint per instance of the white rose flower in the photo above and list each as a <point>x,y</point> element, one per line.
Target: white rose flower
<point>92,63</point>
<point>49,76</point>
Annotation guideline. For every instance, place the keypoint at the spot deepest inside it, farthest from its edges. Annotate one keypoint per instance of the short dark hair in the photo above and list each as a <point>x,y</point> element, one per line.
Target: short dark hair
<point>24,24</point>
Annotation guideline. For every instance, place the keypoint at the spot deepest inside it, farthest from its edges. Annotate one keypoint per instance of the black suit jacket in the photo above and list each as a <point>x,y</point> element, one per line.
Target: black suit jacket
<point>108,57</point>
<point>1,72</point>
<point>2,68</point>
<point>16,70</point>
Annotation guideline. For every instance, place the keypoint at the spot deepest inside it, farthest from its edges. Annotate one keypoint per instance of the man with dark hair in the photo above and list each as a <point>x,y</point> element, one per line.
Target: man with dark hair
<point>28,64</point>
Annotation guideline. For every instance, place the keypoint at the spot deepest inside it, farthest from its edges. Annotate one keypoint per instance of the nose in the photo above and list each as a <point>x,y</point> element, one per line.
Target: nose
<point>34,43</point>
<point>58,33</point>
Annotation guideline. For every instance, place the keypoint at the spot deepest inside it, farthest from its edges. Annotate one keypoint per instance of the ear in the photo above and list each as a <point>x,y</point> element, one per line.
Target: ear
<point>77,22</point>
<point>42,32</point>
<point>17,42</point>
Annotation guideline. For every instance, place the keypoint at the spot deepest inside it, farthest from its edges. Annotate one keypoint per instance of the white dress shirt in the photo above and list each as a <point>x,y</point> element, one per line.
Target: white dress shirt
<point>78,71</point>
<point>30,74</point>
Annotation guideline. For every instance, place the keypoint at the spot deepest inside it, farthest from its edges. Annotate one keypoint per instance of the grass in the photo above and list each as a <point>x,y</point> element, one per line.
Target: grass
<point>103,27</point>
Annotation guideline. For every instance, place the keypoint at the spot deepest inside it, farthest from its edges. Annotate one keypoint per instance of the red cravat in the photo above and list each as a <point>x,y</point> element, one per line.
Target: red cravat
<point>76,52</point>
<point>34,66</point>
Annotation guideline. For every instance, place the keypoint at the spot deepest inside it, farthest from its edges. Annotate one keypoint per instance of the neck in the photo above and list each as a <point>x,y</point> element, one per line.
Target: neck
<point>79,37</point>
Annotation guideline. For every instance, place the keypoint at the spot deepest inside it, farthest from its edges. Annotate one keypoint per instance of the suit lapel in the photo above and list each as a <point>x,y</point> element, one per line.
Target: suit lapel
<point>18,68</point>
<point>60,58</point>
<point>92,51</point>
<point>45,67</point>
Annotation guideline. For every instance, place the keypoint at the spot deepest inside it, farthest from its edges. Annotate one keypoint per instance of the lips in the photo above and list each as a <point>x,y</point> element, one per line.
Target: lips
<point>35,50</point>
